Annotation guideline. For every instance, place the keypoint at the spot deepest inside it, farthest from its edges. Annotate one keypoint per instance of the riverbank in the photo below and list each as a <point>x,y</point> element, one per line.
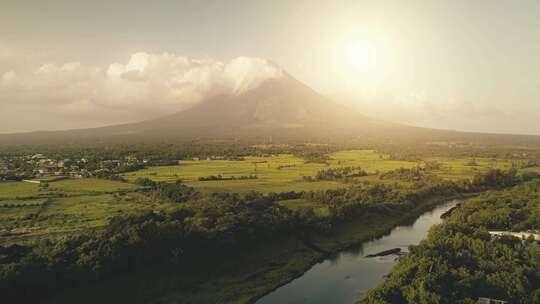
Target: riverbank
<point>261,270</point>
<point>366,228</point>
<point>488,266</point>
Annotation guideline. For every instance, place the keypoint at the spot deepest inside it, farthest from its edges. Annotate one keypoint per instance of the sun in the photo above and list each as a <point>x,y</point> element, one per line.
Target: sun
<point>363,61</point>
<point>361,55</point>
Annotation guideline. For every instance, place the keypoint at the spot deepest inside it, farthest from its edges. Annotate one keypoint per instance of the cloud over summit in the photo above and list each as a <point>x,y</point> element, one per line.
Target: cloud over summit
<point>147,85</point>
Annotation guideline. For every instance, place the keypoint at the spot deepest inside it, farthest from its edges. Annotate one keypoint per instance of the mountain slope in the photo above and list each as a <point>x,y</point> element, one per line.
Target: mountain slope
<point>282,109</point>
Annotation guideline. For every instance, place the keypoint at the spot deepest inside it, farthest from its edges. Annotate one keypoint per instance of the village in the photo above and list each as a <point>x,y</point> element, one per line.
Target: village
<point>39,168</point>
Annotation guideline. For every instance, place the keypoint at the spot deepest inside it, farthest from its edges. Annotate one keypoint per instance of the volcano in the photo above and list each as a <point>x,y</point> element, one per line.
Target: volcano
<point>278,109</point>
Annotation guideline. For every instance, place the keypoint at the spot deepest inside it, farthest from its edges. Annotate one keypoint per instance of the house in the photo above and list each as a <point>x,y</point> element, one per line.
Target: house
<point>46,170</point>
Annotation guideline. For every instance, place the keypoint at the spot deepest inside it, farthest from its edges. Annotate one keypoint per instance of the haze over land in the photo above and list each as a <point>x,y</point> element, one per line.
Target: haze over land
<point>270,151</point>
<point>443,64</point>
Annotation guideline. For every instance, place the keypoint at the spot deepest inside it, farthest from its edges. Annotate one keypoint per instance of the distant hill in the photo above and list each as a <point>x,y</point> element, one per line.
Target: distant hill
<point>279,110</point>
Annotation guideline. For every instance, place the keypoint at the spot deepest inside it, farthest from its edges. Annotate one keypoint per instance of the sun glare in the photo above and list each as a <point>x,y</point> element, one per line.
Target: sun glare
<point>361,55</point>
<point>362,62</point>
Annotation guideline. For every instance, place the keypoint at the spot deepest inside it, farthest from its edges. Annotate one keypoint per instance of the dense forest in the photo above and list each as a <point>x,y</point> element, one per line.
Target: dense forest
<point>460,262</point>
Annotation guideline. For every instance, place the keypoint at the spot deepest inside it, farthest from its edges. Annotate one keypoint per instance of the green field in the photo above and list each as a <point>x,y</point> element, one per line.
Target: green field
<point>460,168</point>
<point>277,173</point>
<point>270,177</point>
<point>29,210</point>
<point>11,190</point>
<point>90,185</point>
<point>19,190</point>
<point>284,172</point>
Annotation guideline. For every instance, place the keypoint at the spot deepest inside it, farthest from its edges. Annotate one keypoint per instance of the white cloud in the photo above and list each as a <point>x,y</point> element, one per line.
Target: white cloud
<point>147,85</point>
<point>175,82</point>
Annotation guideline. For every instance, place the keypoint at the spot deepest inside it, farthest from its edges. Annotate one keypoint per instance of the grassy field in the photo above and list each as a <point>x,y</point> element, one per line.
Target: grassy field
<point>28,210</point>
<point>13,190</point>
<point>284,172</point>
<point>275,174</point>
<point>461,168</point>
<point>22,190</point>
<point>90,185</point>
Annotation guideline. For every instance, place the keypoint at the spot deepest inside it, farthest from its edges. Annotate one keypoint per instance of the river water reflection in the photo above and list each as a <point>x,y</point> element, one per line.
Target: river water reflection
<point>343,278</point>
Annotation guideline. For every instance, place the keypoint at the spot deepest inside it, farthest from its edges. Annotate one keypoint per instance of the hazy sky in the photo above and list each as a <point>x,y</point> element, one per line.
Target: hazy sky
<point>458,64</point>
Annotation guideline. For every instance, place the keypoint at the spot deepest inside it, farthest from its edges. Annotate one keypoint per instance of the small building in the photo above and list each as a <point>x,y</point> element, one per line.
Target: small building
<point>46,170</point>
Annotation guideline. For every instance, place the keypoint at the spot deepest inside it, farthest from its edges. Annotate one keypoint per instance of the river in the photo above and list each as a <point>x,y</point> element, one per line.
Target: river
<point>343,278</point>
